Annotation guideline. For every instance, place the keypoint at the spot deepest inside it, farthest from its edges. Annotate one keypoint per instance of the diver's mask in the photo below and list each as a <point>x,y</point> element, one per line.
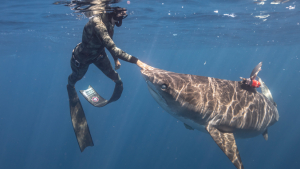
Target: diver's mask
<point>119,14</point>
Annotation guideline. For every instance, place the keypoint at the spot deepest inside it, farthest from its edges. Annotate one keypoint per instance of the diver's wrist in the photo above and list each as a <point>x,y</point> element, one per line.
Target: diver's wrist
<point>133,60</point>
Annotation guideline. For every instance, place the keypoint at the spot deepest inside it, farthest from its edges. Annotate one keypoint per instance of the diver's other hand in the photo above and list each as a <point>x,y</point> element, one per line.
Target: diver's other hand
<point>117,64</point>
<point>144,65</point>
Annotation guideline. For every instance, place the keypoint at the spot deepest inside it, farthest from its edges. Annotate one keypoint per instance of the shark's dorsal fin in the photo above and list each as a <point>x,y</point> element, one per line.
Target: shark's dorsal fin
<point>226,142</point>
<point>265,134</point>
<point>188,127</point>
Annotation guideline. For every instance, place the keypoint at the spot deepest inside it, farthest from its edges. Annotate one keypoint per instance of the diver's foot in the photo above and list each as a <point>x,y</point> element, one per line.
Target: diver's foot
<point>144,66</point>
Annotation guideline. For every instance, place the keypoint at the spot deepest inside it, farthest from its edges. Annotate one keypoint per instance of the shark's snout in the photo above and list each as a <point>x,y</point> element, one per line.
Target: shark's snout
<point>146,74</point>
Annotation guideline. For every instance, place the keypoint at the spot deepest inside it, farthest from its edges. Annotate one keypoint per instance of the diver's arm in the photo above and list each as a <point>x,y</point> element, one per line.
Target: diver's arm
<point>116,52</point>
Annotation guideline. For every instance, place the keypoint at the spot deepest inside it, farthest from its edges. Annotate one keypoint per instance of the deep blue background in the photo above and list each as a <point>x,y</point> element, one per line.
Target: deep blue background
<point>36,40</point>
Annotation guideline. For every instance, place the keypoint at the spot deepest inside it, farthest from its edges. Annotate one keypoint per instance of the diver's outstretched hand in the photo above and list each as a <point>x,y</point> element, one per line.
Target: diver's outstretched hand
<point>144,65</point>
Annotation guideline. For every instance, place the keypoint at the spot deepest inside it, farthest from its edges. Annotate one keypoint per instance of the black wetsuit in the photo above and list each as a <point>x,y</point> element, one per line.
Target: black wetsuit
<point>97,35</point>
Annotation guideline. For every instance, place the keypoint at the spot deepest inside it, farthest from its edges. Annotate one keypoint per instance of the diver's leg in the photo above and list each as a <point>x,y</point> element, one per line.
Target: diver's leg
<point>78,71</point>
<point>105,66</point>
<point>78,119</point>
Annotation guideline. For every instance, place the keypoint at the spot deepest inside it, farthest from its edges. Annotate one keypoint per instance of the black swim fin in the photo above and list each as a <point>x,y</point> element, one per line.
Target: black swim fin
<point>96,100</point>
<point>80,125</point>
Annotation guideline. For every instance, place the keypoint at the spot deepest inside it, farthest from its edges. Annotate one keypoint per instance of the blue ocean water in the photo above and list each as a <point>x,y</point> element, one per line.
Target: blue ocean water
<point>218,38</point>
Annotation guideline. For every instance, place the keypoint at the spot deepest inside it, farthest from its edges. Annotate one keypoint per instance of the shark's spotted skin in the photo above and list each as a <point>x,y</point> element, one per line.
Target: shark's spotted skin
<point>224,108</point>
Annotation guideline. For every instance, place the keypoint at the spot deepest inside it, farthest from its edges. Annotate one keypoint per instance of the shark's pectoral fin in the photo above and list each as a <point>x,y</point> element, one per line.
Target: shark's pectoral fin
<point>265,134</point>
<point>226,142</point>
<point>188,127</point>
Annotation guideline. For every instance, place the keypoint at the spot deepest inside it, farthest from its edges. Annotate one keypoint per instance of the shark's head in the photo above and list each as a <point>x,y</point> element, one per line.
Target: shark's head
<point>165,87</point>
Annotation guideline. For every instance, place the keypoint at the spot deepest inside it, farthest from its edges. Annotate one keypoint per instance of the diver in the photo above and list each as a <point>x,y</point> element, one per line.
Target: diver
<point>251,81</point>
<point>97,35</point>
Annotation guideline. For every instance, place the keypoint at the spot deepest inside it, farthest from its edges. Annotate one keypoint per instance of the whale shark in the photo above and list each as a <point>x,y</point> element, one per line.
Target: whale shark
<point>223,108</point>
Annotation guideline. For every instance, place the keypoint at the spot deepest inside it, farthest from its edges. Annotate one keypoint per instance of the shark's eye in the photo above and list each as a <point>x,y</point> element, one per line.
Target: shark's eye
<point>163,86</point>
